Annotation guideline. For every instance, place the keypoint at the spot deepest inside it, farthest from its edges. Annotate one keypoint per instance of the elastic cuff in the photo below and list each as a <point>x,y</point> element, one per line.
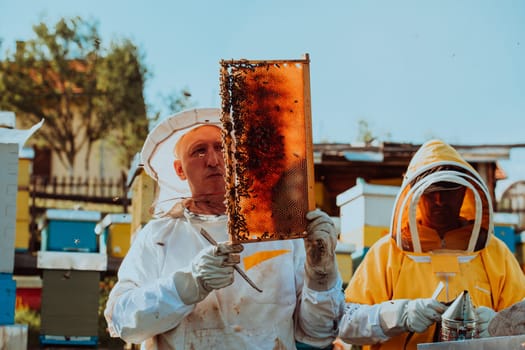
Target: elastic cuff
<point>375,323</point>
<point>321,281</point>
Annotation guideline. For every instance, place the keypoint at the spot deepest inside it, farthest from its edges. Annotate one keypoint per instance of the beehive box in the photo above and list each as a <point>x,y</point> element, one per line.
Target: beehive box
<point>117,230</point>
<point>143,191</point>
<point>23,219</point>
<point>7,299</point>
<point>8,192</point>
<point>69,310</point>
<point>343,254</point>
<point>505,228</point>
<point>70,295</point>
<point>28,292</point>
<point>72,261</point>
<point>70,230</point>
<point>365,211</point>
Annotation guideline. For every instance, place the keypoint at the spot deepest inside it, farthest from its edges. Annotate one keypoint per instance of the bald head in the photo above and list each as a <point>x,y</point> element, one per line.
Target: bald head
<point>200,161</point>
<point>181,142</point>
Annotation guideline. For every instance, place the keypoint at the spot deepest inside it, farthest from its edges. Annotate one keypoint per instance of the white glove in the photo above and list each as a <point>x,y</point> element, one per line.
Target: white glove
<point>483,317</point>
<point>404,315</point>
<point>321,267</point>
<point>211,269</point>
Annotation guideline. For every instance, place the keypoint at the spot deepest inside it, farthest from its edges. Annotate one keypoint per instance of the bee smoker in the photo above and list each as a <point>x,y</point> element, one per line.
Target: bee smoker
<point>458,322</point>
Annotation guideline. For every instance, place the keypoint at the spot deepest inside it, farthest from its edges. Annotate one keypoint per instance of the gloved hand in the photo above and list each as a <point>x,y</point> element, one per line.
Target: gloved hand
<point>404,315</point>
<point>483,317</point>
<point>211,269</point>
<point>321,267</point>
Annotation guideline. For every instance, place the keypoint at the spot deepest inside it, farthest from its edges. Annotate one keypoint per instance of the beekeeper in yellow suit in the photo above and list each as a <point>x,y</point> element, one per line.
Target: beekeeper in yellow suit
<point>441,236</point>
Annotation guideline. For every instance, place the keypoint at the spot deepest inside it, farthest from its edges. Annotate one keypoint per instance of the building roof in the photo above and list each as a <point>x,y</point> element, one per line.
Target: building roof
<point>392,153</point>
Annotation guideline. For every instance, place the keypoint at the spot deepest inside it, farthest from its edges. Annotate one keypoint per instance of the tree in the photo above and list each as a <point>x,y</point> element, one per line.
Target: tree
<point>364,133</point>
<point>178,101</point>
<point>83,91</point>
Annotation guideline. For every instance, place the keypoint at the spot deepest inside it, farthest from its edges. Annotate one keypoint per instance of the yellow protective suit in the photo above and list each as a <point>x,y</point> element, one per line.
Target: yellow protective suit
<point>411,261</point>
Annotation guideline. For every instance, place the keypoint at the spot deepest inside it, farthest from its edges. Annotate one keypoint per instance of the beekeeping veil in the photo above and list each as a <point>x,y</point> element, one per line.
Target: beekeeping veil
<point>157,154</point>
<point>419,178</point>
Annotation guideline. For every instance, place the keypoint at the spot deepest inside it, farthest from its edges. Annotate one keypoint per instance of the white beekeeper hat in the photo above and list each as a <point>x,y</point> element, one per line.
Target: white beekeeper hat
<point>157,155</point>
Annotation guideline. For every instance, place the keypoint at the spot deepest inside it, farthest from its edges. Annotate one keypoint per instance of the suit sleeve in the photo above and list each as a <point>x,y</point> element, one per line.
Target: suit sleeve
<point>142,304</point>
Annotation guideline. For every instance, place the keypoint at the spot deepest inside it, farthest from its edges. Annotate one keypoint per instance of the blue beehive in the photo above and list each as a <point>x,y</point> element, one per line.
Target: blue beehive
<point>7,299</point>
<point>505,228</point>
<point>506,234</point>
<point>70,230</point>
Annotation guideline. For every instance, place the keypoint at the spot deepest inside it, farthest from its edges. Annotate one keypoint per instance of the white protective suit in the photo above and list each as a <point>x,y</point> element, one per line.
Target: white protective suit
<point>144,306</point>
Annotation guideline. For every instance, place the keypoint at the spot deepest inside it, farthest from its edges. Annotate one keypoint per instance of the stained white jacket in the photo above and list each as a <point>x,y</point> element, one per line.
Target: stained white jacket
<point>144,307</point>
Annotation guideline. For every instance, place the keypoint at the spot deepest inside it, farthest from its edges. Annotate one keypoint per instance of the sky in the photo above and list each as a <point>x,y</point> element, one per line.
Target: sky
<point>412,69</point>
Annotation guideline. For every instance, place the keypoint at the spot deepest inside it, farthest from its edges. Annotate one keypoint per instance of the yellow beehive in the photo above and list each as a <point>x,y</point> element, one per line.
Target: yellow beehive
<point>25,162</point>
<point>143,192</point>
<point>22,204</point>
<point>143,189</point>
<point>117,228</point>
<point>322,199</point>
<point>22,236</point>
<point>343,255</point>
<point>119,239</point>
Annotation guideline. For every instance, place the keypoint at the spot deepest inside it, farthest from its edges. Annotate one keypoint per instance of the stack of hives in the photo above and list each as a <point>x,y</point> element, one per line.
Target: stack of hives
<point>365,211</point>
<point>13,336</point>
<point>72,257</point>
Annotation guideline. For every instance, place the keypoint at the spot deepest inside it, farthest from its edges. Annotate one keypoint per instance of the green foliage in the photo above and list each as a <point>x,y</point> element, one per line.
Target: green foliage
<point>178,101</point>
<point>126,108</point>
<point>364,132</point>
<point>105,288</point>
<point>28,316</point>
<point>84,91</point>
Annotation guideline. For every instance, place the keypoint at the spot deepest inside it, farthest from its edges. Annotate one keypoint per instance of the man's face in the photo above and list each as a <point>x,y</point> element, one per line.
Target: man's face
<point>200,160</point>
<point>440,208</point>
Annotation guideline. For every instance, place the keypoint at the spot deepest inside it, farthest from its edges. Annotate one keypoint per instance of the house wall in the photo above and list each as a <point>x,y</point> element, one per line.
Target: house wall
<point>103,163</point>
<point>103,160</point>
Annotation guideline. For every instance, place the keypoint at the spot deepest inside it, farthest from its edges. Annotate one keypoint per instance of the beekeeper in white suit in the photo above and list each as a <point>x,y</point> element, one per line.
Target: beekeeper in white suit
<point>177,291</point>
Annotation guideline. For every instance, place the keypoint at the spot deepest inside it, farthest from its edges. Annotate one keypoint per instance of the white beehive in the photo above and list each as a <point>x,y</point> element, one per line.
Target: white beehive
<point>365,210</point>
<point>8,193</point>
